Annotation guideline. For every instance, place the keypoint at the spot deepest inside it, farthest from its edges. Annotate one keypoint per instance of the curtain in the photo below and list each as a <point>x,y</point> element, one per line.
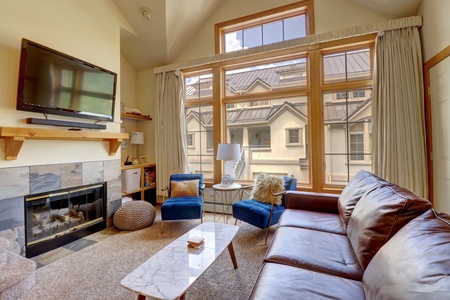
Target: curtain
<point>399,143</point>
<point>171,143</point>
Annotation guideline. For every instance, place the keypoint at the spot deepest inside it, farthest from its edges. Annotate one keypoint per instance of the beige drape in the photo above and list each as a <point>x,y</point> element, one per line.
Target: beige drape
<point>171,144</point>
<point>399,147</point>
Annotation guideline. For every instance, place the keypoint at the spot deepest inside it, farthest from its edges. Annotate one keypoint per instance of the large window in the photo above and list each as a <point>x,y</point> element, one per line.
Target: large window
<point>298,112</point>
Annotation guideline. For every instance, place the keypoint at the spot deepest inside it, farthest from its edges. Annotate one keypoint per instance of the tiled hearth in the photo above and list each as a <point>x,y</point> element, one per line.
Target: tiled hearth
<point>17,182</point>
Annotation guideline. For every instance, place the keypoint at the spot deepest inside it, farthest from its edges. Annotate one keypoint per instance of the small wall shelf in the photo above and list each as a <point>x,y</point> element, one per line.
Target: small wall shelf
<point>136,117</point>
<point>15,136</point>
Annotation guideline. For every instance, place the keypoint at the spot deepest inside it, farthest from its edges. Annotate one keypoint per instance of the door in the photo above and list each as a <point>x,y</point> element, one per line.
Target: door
<point>440,118</point>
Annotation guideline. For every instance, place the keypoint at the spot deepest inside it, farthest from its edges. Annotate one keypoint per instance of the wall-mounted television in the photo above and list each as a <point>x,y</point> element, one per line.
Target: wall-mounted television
<point>51,82</point>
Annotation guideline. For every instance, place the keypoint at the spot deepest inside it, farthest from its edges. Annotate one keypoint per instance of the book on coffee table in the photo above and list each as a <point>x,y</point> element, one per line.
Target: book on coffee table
<point>195,241</point>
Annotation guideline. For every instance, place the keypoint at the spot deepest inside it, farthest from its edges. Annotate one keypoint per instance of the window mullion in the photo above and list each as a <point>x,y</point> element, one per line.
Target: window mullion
<point>219,118</point>
<point>316,157</point>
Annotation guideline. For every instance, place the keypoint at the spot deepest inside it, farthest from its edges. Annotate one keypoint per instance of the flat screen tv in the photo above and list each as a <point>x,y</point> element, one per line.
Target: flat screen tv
<point>51,82</point>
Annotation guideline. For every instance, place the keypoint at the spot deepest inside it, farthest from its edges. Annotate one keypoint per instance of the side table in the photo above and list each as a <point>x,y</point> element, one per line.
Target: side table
<point>226,195</point>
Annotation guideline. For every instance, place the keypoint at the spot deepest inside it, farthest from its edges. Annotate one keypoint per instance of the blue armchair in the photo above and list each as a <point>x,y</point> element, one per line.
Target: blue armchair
<point>184,198</point>
<point>260,214</point>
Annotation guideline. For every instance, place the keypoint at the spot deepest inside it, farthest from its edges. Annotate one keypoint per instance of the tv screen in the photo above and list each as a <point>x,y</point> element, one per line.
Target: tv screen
<point>52,82</point>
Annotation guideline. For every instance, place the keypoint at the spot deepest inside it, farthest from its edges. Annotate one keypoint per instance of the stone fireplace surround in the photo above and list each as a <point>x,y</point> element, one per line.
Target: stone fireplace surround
<point>17,182</point>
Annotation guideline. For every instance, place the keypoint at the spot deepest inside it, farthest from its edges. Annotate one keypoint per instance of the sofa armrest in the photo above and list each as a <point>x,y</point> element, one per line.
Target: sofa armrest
<point>321,202</point>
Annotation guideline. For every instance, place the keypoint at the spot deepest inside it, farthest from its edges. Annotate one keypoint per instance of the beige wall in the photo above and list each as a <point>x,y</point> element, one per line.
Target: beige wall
<point>128,94</point>
<point>435,31</point>
<point>86,29</point>
<point>329,15</point>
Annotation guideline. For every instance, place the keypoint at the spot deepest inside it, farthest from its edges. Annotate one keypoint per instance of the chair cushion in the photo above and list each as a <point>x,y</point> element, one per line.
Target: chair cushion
<point>256,213</point>
<point>134,215</point>
<point>378,215</point>
<point>181,208</point>
<point>265,186</point>
<point>186,177</point>
<point>184,188</point>
<point>415,263</point>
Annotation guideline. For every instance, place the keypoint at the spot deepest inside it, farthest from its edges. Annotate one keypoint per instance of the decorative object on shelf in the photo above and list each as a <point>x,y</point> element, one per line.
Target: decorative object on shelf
<point>229,153</point>
<point>136,138</point>
<point>123,146</point>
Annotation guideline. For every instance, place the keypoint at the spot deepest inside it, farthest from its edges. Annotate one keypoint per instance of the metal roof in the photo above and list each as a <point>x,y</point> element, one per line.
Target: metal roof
<point>292,75</point>
<point>333,112</point>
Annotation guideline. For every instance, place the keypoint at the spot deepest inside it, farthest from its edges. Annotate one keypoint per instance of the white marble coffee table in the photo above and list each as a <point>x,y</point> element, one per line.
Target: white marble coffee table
<point>170,272</point>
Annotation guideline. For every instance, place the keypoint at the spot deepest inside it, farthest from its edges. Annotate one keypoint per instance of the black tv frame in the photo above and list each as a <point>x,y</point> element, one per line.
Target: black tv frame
<point>24,106</point>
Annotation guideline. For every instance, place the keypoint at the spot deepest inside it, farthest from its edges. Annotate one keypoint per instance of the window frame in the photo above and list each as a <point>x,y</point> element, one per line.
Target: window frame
<point>305,7</point>
<point>299,134</point>
<point>190,138</point>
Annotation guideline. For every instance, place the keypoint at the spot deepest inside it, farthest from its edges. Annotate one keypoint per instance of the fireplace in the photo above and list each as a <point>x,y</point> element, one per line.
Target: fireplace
<point>55,218</point>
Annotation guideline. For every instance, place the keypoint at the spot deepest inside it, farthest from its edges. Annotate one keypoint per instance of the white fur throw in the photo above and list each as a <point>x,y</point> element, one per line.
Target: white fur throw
<point>265,186</point>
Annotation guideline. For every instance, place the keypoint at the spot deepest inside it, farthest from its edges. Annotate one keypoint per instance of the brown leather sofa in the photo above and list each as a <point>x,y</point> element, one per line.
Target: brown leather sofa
<point>374,241</point>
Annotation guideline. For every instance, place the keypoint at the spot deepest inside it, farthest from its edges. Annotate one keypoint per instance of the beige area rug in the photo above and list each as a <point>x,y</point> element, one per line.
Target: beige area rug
<point>95,272</point>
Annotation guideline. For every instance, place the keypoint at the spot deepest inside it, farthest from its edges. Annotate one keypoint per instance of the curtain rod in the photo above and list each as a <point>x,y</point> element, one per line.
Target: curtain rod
<point>308,40</point>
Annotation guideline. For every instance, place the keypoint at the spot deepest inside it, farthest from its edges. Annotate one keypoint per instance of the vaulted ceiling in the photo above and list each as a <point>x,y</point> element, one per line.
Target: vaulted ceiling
<point>158,41</point>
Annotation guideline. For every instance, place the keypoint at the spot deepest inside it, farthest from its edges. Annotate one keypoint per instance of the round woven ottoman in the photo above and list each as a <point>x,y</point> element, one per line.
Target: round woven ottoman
<point>134,215</point>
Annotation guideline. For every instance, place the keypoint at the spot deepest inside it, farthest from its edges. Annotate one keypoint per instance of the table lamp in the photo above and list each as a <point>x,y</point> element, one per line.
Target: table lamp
<point>136,138</point>
<point>229,153</point>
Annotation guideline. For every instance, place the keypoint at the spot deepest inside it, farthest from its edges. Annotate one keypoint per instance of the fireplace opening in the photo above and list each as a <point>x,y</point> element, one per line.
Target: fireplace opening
<point>56,218</point>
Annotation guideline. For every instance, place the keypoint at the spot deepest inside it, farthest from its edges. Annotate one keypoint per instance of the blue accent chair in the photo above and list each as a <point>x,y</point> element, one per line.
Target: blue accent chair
<point>260,214</point>
<point>183,207</point>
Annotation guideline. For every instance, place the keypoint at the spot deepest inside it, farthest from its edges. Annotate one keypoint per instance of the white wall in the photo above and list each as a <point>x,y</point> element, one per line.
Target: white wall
<point>435,37</point>
<point>85,29</point>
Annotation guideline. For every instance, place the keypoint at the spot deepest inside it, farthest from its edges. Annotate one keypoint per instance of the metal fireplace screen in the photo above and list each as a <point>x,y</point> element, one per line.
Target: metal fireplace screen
<point>55,218</point>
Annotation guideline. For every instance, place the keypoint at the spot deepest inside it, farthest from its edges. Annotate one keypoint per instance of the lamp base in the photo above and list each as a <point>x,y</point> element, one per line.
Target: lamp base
<point>229,170</point>
<point>225,180</point>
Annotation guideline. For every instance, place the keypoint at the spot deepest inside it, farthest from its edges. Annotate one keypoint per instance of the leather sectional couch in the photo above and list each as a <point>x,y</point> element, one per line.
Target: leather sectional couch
<point>374,241</point>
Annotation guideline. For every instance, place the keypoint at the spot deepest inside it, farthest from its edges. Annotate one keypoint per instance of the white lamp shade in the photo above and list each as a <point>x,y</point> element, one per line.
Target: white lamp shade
<point>229,152</point>
<point>137,138</point>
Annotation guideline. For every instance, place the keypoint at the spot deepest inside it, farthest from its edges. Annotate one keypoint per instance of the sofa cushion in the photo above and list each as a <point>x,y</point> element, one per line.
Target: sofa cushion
<point>277,281</point>
<point>378,215</point>
<point>361,183</point>
<point>415,263</point>
<point>315,220</point>
<point>314,250</point>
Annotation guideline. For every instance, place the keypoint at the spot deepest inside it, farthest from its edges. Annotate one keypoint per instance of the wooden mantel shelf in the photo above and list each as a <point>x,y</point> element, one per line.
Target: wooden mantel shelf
<point>14,138</point>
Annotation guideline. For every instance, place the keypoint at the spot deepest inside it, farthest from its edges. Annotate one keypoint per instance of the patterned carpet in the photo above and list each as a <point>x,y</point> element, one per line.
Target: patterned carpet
<point>95,271</point>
